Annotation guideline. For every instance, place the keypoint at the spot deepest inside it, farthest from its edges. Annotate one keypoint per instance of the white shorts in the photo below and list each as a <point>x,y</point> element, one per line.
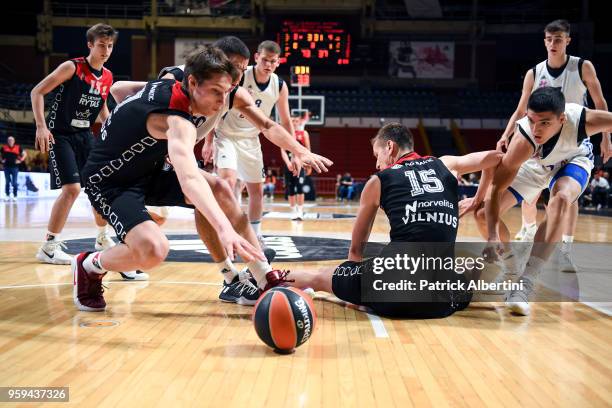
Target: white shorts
<point>532,178</point>
<point>242,155</point>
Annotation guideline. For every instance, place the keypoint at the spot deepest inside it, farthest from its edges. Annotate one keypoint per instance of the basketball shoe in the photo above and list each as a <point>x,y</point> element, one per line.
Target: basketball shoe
<point>52,252</point>
<point>104,241</point>
<point>136,275</point>
<point>242,293</point>
<point>87,292</point>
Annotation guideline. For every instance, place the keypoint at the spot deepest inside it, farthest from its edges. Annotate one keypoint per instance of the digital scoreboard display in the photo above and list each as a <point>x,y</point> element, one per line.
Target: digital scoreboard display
<point>314,43</point>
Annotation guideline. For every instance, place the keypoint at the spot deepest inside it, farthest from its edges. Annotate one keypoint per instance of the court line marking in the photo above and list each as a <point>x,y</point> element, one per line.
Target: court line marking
<point>378,325</point>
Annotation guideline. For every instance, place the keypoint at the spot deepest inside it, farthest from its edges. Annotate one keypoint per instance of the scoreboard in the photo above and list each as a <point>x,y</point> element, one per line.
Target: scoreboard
<point>314,43</point>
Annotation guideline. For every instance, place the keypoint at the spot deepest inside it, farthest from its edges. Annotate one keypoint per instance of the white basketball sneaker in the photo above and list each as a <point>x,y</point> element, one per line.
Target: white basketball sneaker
<point>530,232</point>
<point>567,262</point>
<point>104,241</point>
<point>52,252</point>
<point>520,234</point>
<point>518,300</point>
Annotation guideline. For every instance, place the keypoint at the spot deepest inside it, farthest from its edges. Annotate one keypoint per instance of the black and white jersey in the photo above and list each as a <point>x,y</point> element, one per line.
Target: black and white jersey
<point>419,196</point>
<point>78,101</point>
<point>125,153</point>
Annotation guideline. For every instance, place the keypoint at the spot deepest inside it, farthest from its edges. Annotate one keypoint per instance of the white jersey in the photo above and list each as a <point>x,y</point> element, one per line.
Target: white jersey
<point>204,124</point>
<point>235,125</point>
<point>569,80</point>
<point>565,145</point>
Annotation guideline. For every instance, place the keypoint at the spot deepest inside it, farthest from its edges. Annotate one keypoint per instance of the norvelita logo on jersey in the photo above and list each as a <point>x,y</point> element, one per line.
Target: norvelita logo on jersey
<point>430,211</point>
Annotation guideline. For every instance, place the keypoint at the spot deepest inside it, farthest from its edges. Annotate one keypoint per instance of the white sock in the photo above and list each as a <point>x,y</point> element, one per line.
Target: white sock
<point>228,270</point>
<point>102,230</point>
<point>567,241</point>
<point>52,236</point>
<point>256,227</point>
<point>93,263</point>
<point>530,226</point>
<point>294,209</point>
<point>258,270</point>
<point>300,209</point>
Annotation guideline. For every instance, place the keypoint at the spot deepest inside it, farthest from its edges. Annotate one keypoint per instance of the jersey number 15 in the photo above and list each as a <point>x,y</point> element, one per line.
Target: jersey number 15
<point>429,182</point>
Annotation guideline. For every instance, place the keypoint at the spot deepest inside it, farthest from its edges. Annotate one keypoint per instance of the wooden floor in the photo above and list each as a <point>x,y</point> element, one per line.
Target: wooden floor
<point>170,342</point>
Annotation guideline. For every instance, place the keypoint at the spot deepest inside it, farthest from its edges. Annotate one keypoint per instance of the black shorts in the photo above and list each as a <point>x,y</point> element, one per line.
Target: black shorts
<point>67,156</point>
<point>347,284</point>
<point>293,184</point>
<point>124,207</point>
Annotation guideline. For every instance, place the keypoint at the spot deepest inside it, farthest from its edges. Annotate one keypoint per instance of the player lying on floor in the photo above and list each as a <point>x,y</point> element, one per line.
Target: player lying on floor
<point>419,196</point>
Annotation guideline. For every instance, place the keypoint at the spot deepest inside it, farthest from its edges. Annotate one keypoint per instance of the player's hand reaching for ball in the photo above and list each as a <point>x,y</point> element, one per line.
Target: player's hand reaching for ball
<point>43,139</point>
<point>235,244</point>
<point>468,205</point>
<point>317,162</point>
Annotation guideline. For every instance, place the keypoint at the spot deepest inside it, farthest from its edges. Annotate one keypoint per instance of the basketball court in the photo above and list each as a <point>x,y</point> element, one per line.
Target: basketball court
<point>171,342</point>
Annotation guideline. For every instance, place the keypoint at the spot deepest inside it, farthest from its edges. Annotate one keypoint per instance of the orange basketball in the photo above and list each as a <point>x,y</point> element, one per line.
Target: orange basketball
<point>284,318</point>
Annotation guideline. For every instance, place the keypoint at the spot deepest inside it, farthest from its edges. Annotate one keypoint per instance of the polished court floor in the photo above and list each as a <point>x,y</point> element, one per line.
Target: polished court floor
<point>169,342</point>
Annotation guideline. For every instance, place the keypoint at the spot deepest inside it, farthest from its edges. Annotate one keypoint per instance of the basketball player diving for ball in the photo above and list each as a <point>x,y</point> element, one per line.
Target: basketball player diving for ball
<point>405,181</point>
<point>237,287</point>
<point>124,172</point>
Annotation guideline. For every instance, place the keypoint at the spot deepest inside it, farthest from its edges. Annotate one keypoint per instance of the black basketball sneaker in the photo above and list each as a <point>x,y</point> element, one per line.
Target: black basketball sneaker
<point>243,288</point>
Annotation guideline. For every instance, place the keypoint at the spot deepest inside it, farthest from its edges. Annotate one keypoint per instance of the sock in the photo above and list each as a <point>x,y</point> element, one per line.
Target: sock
<point>294,209</point>
<point>228,270</point>
<point>256,227</point>
<point>102,230</point>
<point>52,236</point>
<point>300,209</point>
<point>567,241</point>
<point>258,270</point>
<point>530,226</point>
<point>533,268</point>
<point>93,263</point>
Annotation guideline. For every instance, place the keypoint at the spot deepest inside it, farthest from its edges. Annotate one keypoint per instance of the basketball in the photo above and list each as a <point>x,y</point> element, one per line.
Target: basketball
<point>284,318</point>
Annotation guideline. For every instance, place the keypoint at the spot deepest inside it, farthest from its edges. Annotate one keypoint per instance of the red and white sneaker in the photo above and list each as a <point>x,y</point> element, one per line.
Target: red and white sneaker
<point>277,278</point>
<point>87,291</point>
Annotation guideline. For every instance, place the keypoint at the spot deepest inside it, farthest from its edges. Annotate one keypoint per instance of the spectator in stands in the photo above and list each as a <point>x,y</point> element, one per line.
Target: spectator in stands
<point>338,178</point>
<point>269,184</point>
<point>599,190</point>
<point>12,156</point>
<point>346,187</point>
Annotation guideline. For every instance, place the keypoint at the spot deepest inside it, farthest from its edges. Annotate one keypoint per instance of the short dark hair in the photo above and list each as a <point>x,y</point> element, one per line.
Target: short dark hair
<point>269,46</point>
<point>231,45</point>
<point>397,133</point>
<point>101,30</point>
<point>558,26</point>
<point>547,99</point>
<point>207,61</point>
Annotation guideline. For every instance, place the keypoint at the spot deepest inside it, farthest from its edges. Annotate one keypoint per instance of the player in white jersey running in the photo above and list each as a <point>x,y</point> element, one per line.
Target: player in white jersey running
<point>238,150</point>
<point>575,77</point>
<point>546,151</point>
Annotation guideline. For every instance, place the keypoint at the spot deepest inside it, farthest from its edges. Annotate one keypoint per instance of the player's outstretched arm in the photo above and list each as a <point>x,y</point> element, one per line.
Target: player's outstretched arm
<point>469,163</point>
<point>60,75</point>
<point>521,110</point>
<point>519,151</point>
<point>122,89</point>
<point>181,136</point>
<point>368,206</point>
<point>485,161</point>
<point>598,121</point>
<point>276,133</point>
